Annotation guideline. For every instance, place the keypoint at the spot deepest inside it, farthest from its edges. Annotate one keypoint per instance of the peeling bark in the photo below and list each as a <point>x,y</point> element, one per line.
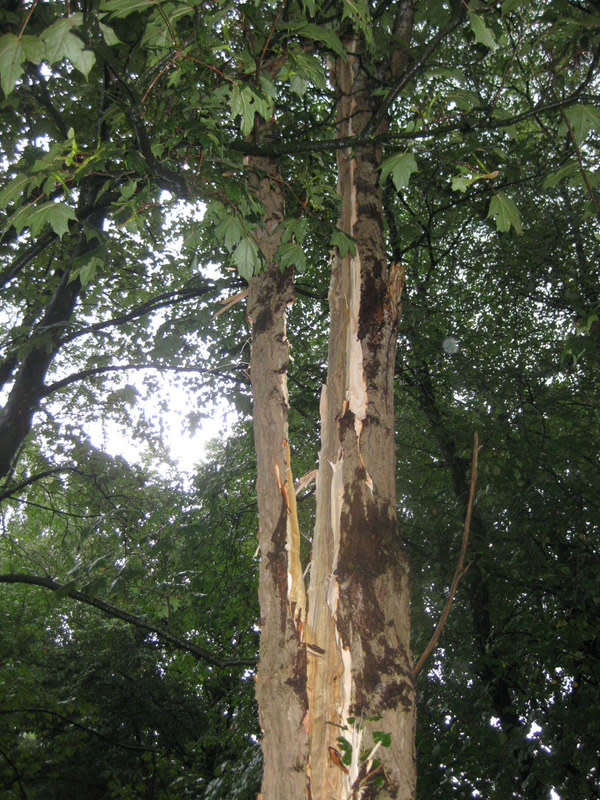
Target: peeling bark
<point>281,677</point>
<point>334,687</point>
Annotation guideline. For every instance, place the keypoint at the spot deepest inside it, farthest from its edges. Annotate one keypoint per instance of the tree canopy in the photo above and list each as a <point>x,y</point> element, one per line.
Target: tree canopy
<point>135,137</point>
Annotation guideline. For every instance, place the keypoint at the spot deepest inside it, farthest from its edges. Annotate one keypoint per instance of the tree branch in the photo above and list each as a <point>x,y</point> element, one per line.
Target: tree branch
<point>39,710</point>
<point>112,611</point>
<point>460,568</point>
<point>88,373</point>
<point>414,68</point>
<point>284,147</point>
<point>21,261</point>
<point>31,479</point>
<point>160,301</point>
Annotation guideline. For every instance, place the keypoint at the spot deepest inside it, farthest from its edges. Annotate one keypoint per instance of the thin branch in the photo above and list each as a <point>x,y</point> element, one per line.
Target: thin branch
<point>460,568</point>
<point>137,748</point>
<point>112,611</point>
<point>21,261</point>
<point>89,373</point>
<point>283,147</point>
<point>160,301</point>
<point>31,479</point>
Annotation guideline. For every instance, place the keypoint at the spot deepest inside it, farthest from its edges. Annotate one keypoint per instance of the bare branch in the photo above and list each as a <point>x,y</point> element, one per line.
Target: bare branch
<point>460,568</point>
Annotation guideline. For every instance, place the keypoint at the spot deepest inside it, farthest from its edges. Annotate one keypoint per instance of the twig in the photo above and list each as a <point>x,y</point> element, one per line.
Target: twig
<point>27,18</point>
<point>229,302</point>
<point>460,568</point>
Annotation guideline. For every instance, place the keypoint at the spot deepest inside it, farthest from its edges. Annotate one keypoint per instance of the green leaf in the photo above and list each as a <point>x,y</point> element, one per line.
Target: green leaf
<point>384,738</point>
<point>16,189</point>
<point>57,215</point>
<point>460,183</point>
<point>358,11</point>
<point>245,103</point>
<point>230,230</point>
<point>12,56</point>
<point>88,271</point>
<point>110,37</point>
<point>482,33</point>
<point>122,8</point>
<point>298,85</point>
<point>344,243</point>
<point>568,171</point>
<point>60,42</point>
<point>505,213</point>
<point>400,166</point>
<point>306,66</point>
<point>291,254</point>
<point>246,258</point>
<point>319,33</point>
<point>582,119</point>
<point>128,190</point>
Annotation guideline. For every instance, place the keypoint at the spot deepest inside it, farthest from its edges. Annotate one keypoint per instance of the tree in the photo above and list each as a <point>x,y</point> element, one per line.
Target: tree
<point>471,92</point>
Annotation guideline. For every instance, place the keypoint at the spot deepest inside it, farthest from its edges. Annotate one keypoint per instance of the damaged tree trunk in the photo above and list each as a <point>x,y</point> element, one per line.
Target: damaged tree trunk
<point>360,687</point>
<point>281,676</point>
<point>334,684</point>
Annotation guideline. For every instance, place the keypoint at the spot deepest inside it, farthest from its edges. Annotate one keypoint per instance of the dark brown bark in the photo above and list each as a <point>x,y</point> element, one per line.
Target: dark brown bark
<point>46,338</point>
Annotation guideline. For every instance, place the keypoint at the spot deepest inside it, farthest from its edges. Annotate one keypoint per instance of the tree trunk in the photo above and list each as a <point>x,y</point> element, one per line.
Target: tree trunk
<point>360,686</point>
<point>281,676</point>
<point>24,397</point>
<point>334,685</point>
<point>29,381</point>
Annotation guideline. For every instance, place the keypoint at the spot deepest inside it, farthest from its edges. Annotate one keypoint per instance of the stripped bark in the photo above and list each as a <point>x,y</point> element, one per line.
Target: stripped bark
<point>281,676</point>
<point>358,627</point>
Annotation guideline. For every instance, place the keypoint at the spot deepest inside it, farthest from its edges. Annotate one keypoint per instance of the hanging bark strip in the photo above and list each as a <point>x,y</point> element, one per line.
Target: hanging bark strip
<point>281,677</point>
<point>360,685</point>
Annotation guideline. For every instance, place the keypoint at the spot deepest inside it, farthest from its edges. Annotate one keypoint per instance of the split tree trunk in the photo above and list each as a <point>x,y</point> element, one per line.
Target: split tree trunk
<point>334,684</point>
<point>360,687</point>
